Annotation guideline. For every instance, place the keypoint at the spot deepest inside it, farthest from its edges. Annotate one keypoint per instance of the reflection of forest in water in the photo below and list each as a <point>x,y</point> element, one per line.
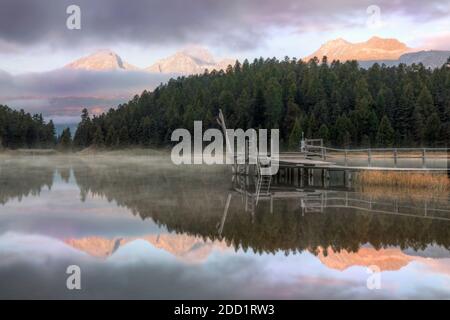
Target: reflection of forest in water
<point>191,200</point>
<point>17,181</point>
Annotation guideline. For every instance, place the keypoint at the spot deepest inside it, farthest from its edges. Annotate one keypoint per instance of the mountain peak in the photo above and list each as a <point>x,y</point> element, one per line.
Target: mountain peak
<point>376,48</point>
<point>101,60</point>
<point>190,60</point>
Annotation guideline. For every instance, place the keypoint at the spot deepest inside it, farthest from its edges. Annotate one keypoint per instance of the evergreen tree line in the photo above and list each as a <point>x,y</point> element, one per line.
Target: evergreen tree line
<point>23,130</point>
<point>19,129</point>
<point>339,102</point>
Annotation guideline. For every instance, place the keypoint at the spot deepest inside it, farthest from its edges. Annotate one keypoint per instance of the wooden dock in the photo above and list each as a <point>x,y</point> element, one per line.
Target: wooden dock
<point>314,155</point>
<point>300,161</point>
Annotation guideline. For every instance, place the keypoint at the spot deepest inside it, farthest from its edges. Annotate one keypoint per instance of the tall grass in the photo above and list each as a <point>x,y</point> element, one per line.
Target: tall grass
<point>409,180</point>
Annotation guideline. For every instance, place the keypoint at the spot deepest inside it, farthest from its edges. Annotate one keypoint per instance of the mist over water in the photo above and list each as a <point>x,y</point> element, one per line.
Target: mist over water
<point>141,227</point>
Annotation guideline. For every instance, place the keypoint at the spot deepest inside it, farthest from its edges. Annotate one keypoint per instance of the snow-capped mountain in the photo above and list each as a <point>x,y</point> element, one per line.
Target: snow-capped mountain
<point>102,60</point>
<point>193,60</point>
<point>375,48</point>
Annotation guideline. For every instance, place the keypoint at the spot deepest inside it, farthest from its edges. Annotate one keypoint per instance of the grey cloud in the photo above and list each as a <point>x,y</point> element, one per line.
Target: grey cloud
<point>77,82</point>
<point>151,22</point>
<point>65,92</point>
<point>239,23</point>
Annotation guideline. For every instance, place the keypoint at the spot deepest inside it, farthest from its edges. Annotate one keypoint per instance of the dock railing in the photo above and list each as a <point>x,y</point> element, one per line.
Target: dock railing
<point>369,155</point>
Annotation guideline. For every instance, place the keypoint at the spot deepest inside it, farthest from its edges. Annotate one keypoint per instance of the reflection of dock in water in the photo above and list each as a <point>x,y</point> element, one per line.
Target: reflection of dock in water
<point>317,199</point>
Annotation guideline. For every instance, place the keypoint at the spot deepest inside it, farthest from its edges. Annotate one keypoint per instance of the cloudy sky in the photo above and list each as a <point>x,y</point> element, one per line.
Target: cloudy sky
<point>34,37</point>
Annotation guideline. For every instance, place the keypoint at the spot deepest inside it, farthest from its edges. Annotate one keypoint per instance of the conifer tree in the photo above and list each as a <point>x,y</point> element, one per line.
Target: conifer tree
<point>432,130</point>
<point>98,139</point>
<point>295,136</point>
<point>65,140</point>
<point>385,134</point>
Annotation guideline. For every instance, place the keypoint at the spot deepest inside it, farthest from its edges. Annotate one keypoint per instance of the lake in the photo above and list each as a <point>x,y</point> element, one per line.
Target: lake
<point>141,227</point>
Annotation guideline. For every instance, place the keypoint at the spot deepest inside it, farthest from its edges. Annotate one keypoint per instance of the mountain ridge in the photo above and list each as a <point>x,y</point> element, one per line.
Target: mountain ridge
<point>376,48</point>
<point>196,59</point>
<point>191,60</point>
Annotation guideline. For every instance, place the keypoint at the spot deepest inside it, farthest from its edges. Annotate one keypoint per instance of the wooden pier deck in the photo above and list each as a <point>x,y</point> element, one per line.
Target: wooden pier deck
<point>289,161</point>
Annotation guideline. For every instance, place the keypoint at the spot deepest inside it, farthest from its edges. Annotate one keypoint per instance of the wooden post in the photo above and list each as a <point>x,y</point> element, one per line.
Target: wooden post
<point>327,178</point>
<point>423,158</point>
<point>395,157</point>
<point>349,178</point>
<point>289,175</point>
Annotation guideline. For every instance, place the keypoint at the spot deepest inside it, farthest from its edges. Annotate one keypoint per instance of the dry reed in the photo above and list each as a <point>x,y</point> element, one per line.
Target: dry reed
<point>409,180</point>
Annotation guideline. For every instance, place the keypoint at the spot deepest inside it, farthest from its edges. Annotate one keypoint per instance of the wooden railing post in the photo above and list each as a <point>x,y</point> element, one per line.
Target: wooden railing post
<point>423,158</point>
<point>395,157</point>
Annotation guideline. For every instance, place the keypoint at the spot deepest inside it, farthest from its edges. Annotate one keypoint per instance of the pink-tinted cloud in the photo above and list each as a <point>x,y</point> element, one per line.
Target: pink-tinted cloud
<point>436,42</point>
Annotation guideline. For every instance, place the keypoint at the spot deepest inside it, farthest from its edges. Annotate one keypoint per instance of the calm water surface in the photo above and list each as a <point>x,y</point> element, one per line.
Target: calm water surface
<point>139,227</point>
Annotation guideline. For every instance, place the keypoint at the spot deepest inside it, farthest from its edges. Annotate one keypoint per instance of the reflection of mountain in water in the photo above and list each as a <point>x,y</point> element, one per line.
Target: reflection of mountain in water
<point>386,259</point>
<point>184,247</point>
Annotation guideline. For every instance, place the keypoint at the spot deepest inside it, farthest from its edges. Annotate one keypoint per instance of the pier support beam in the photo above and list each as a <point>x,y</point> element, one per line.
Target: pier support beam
<point>347,178</point>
